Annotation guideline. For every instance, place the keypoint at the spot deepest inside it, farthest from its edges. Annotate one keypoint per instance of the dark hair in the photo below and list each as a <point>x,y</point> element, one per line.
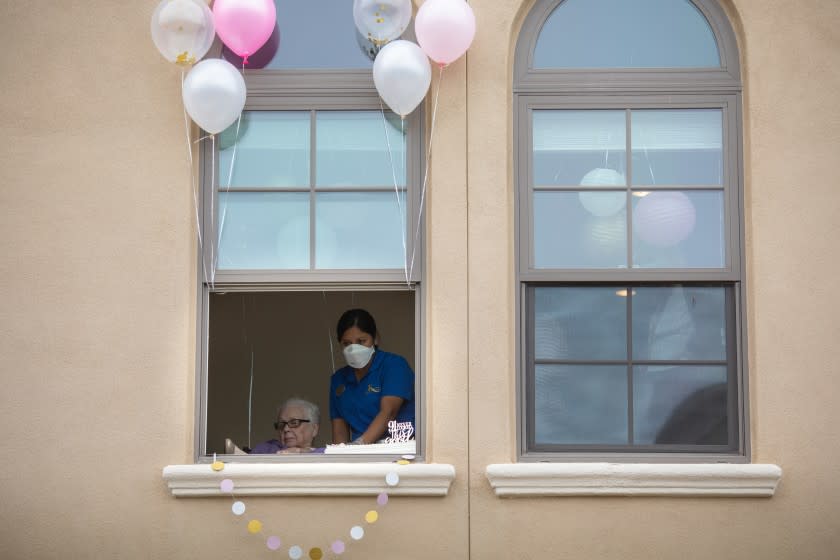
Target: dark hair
<point>356,318</point>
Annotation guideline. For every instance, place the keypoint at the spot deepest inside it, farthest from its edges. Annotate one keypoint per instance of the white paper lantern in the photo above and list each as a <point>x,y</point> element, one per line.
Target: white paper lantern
<point>603,204</point>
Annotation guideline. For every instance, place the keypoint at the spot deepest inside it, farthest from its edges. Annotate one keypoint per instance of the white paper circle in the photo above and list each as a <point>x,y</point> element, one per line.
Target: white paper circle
<point>357,533</point>
<point>238,508</point>
<point>392,479</point>
<point>295,552</point>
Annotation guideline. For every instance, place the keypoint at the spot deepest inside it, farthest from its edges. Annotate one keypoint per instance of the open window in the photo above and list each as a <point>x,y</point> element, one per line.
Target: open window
<point>310,207</point>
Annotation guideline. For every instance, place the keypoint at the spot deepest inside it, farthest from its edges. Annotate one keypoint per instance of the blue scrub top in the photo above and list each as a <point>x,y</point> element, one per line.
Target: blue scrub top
<point>357,402</point>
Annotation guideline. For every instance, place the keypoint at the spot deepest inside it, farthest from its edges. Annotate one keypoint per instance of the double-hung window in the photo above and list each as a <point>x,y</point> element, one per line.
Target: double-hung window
<point>310,207</point>
<point>630,250</point>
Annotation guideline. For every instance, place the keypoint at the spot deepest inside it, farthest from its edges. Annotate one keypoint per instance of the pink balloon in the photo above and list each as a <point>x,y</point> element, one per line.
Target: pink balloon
<point>244,25</point>
<point>445,29</point>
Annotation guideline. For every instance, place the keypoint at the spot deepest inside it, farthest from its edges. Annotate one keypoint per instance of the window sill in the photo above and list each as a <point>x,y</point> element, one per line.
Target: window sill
<point>309,479</point>
<point>519,480</point>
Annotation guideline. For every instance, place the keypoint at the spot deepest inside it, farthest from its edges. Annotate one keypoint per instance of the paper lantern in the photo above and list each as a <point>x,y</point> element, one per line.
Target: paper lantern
<point>664,218</point>
<point>607,203</point>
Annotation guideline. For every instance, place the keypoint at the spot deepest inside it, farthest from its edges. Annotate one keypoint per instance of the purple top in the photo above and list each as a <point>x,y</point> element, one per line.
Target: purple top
<point>270,446</point>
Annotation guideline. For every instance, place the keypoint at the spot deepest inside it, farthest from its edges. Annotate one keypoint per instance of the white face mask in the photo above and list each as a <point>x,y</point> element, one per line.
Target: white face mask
<point>358,355</point>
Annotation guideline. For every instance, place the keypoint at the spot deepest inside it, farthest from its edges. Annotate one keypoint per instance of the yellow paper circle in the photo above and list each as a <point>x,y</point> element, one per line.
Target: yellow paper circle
<point>402,462</point>
<point>217,465</point>
<point>371,516</point>
<point>316,553</point>
<point>254,526</point>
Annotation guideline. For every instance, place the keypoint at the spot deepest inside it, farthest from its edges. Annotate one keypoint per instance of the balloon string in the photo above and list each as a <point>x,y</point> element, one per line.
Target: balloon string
<point>251,396</point>
<point>329,334</point>
<point>193,183</point>
<point>212,278</point>
<point>227,190</point>
<point>396,188</point>
<point>426,172</point>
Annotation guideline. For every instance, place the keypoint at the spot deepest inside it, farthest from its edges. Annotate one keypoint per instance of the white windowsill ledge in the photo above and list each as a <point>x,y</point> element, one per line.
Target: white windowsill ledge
<point>515,480</point>
<point>309,479</point>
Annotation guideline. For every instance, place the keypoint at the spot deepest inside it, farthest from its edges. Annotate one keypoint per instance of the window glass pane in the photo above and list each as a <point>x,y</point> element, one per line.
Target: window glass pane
<point>359,148</point>
<point>263,230</point>
<point>579,148</point>
<point>622,34</point>
<point>680,405</point>
<point>679,323</point>
<point>573,323</point>
<point>580,404</point>
<point>677,147</point>
<point>359,230</point>
<point>568,234</point>
<point>678,229</point>
<point>272,150</point>
<point>310,34</point>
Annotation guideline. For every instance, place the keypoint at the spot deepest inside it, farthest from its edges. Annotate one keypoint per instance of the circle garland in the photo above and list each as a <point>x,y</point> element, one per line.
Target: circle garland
<point>338,546</point>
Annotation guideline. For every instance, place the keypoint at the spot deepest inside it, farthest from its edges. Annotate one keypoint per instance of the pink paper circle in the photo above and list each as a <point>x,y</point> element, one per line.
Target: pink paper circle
<point>273,542</point>
<point>338,547</point>
<point>382,499</point>
<point>226,485</point>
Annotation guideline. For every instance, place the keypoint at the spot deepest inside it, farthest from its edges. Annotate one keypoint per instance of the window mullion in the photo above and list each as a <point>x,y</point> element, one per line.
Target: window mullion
<point>312,179</point>
<point>629,331</point>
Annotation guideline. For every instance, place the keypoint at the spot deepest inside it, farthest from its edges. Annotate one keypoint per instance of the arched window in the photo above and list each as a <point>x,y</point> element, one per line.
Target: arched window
<point>310,207</point>
<point>629,215</point>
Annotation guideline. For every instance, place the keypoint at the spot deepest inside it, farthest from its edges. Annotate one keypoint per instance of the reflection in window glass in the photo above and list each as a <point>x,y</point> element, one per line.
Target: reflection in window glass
<point>678,229</point>
<point>568,234</point>
<point>340,242</point>
<point>570,147</point>
<point>679,323</point>
<point>622,34</point>
<point>296,44</point>
<point>263,230</point>
<point>272,150</point>
<point>359,148</point>
<point>677,147</point>
<point>680,405</point>
<point>579,324</point>
<point>580,404</point>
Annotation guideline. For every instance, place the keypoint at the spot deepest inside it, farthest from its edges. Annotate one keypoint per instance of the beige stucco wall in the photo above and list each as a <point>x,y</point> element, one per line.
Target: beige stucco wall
<point>98,309</point>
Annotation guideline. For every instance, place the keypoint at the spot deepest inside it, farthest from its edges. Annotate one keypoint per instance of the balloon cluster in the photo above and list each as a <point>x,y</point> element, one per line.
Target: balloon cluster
<point>214,90</point>
<point>401,71</point>
<point>183,31</point>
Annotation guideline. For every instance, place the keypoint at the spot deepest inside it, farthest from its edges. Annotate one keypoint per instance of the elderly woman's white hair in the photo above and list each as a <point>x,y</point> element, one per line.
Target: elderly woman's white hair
<point>313,413</point>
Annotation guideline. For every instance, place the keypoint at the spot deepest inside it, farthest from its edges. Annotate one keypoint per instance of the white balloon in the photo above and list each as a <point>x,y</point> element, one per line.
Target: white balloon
<point>402,75</point>
<point>381,21</point>
<point>214,94</point>
<point>603,204</point>
<point>183,30</point>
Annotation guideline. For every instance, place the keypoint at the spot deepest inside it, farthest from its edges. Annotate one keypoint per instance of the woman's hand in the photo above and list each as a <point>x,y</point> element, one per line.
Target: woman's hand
<point>388,408</point>
<point>340,431</point>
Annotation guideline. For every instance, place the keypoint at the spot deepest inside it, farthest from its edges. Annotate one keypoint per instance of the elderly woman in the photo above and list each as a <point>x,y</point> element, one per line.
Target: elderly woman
<point>297,425</point>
